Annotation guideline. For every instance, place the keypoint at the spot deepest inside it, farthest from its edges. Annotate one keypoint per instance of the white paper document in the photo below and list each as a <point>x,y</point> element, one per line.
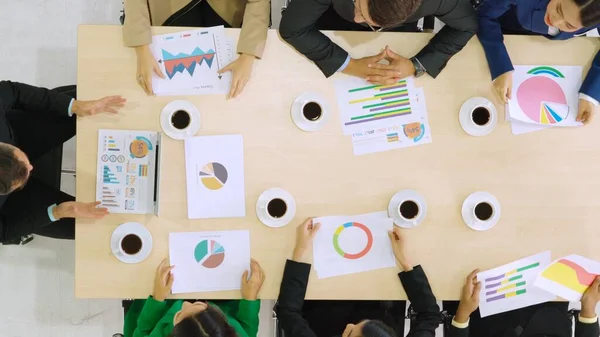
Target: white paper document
<point>190,61</point>
<point>126,171</point>
<point>352,244</point>
<point>214,167</point>
<point>209,261</point>
<point>569,277</point>
<point>411,131</point>
<point>510,287</point>
<point>544,96</point>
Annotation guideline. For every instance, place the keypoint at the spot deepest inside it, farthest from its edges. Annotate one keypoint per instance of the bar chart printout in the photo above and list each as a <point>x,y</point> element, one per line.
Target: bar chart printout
<point>510,287</point>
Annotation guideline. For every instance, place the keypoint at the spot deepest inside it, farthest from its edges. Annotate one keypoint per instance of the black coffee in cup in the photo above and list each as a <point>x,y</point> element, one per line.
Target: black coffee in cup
<point>180,119</point>
<point>481,116</point>
<point>131,244</point>
<point>409,209</point>
<point>484,211</point>
<point>312,111</point>
<point>277,208</point>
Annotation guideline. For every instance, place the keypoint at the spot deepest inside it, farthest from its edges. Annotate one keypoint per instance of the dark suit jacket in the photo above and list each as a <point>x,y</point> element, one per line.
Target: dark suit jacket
<point>545,321</point>
<point>298,29</point>
<point>495,15</point>
<point>293,290</point>
<point>17,97</point>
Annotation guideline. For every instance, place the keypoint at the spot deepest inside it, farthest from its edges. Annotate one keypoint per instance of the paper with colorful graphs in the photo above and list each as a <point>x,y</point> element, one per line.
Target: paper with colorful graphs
<point>544,96</point>
<point>510,287</point>
<point>569,277</point>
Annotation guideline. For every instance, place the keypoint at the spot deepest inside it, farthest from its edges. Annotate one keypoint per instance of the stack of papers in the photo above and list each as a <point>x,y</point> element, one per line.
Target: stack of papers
<point>543,97</point>
<point>352,244</point>
<point>382,117</point>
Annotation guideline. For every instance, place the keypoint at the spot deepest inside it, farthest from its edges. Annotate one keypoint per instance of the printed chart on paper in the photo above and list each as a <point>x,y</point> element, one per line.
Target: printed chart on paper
<point>190,61</point>
<point>126,170</point>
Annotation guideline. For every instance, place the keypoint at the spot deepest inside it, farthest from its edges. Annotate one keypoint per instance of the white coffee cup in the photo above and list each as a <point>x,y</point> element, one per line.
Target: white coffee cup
<point>476,219</point>
<point>130,244</point>
<point>412,204</point>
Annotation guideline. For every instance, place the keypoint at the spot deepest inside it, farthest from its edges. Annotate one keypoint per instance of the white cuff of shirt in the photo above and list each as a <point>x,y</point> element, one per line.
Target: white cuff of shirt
<point>345,64</point>
<point>588,98</point>
<point>461,325</point>
<point>50,213</point>
<point>588,320</point>
<point>71,107</point>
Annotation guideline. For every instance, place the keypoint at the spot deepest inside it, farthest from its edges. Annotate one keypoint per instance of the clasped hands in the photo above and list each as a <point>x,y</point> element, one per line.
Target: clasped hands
<point>369,68</point>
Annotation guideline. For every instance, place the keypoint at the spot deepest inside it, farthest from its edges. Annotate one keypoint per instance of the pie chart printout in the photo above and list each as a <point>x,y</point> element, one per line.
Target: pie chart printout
<point>542,100</point>
<point>209,253</point>
<point>213,176</point>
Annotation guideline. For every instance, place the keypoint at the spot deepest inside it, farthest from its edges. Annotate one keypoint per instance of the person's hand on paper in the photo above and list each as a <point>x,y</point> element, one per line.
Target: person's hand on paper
<point>399,66</point>
<point>109,104</point>
<point>79,210</point>
<point>586,112</point>
<point>251,286</point>
<point>241,69</point>
<point>590,299</point>
<point>163,281</point>
<point>305,233</point>
<point>399,247</point>
<point>469,299</point>
<point>146,64</point>
<point>503,86</point>
<point>370,69</point>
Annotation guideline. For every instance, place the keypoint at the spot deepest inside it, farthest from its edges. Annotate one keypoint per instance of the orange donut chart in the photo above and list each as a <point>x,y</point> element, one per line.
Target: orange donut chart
<point>362,253</point>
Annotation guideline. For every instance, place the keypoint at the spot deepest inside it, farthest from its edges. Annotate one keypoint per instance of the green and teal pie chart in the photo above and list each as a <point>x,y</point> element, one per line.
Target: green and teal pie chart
<point>209,253</point>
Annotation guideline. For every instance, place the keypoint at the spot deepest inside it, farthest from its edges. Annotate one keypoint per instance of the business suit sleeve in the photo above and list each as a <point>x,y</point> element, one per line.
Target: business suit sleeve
<point>19,96</point>
<point>591,84</point>
<point>253,36</point>
<point>298,28</point>
<point>291,299</point>
<point>421,297</point>
<point>491,38</point>
<point>136,28</point>
<point>457,332</point>
<point>461,24</point>
<point>586,329</point>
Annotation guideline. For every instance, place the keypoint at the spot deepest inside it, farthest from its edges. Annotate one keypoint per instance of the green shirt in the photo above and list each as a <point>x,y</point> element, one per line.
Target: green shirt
<point>155,319</point>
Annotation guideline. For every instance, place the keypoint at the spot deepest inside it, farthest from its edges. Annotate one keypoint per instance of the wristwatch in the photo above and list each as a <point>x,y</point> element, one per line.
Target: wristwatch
<point>419,69</point>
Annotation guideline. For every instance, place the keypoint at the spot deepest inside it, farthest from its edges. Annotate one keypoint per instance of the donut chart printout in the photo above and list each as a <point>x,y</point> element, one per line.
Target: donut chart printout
<point>569,277</point>
<point>352,244</point>
<point>545,95</point>
<point>126,168</point>
<point>214,168</point>
<point>209,261</point>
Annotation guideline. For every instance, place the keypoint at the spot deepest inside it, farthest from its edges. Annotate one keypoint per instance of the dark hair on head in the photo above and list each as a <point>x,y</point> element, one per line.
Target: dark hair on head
<point>388,13</point>
<point>12,170</point>
<point>375,328</point>
<point>589,10</point>
<point>208,323</point>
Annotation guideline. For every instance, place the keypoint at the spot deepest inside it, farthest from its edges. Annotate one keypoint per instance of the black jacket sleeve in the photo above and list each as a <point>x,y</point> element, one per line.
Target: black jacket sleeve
<point>456,332</point>
<point>461,24</point>
<point>586,329</point>
<point>421,297</point>
<point>18,96</point>
<point>291,299</point>
<point>298,28</point>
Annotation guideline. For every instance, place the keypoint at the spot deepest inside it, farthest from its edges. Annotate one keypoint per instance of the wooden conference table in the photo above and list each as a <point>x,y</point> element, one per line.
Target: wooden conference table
<point>547,182</point>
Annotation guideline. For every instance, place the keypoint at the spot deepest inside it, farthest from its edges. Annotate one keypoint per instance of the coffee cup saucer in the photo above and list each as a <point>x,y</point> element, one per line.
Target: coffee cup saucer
<point>261,207</point>
<point>298,118</point>
<point>167,126</point>
<point>400,197</point>
<point>131,228</point>
<point>469,205</point>
<point>466,121</point>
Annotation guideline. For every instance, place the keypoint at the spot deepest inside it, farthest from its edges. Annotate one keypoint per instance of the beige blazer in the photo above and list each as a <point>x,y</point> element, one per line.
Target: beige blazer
<point>140,15</point>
